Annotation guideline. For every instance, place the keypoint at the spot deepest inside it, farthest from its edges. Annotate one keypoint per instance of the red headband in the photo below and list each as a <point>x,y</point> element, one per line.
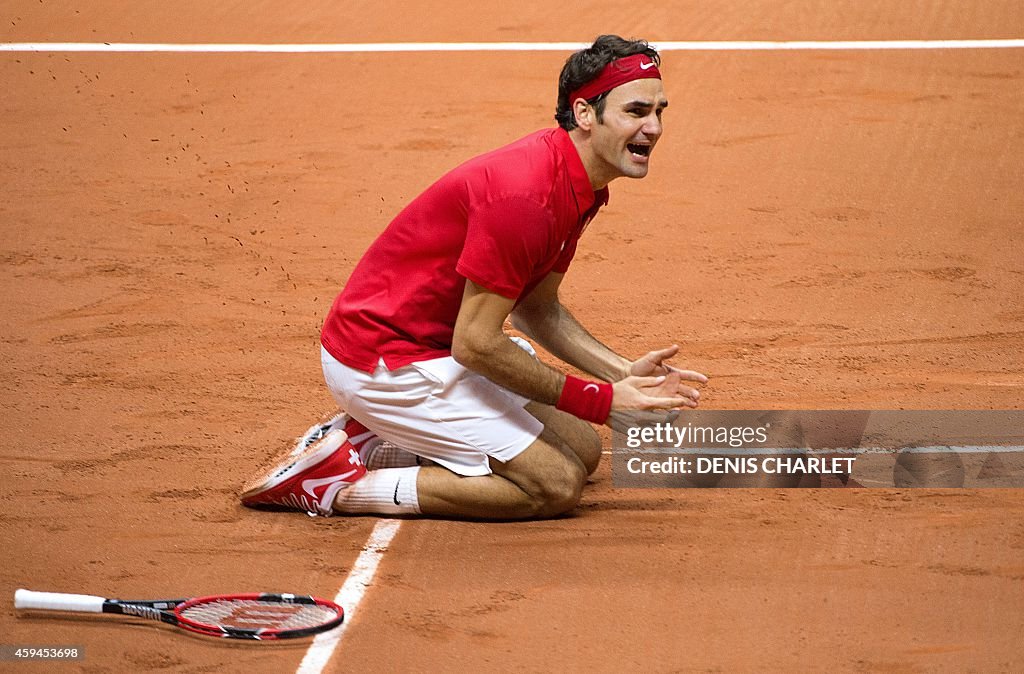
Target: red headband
<point>635,67</point>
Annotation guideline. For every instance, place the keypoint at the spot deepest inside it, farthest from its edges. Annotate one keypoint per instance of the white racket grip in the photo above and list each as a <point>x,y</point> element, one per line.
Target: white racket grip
<point>57,601</point>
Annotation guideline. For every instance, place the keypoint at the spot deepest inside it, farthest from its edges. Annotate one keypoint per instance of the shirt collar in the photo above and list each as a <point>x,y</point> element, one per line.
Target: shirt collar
<point>585,196</point>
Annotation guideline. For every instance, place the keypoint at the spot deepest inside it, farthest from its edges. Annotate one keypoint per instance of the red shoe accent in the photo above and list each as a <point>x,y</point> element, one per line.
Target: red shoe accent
<point>311,480</point>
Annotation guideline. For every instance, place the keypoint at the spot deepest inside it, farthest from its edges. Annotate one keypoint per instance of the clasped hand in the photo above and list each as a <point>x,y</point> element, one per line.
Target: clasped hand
<point>652,384</point>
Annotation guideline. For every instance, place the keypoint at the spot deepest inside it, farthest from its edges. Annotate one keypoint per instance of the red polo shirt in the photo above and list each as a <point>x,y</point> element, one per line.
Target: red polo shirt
<point>503,220</point>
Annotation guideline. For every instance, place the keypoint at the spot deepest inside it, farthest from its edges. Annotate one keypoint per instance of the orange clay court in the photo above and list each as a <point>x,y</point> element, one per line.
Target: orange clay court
<point>820,230</point>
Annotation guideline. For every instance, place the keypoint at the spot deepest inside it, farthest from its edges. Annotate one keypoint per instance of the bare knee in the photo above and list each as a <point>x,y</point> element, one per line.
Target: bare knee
<point>569,432</point>
<point>590,449</point>
<point>549,478</point>
<point>585,443</point>
<point>557,494</point>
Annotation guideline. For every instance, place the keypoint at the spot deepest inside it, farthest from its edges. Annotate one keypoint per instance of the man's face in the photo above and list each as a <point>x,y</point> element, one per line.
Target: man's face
<point>622,142</point>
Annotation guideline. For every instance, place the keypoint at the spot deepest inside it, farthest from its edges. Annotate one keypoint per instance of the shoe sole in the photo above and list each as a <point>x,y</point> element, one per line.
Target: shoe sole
<point>291,465</point>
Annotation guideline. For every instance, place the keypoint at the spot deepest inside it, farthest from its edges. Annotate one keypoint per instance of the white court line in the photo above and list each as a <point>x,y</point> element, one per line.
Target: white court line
<point>350,594</point>
<point>363,47</point>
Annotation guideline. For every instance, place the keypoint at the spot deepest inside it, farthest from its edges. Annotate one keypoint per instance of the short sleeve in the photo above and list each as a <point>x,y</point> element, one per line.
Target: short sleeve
<point>565,258</point>
<point>507,240</point>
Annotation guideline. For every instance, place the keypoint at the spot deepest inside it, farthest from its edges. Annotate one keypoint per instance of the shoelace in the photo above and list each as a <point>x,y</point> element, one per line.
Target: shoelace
<point>314,437</point>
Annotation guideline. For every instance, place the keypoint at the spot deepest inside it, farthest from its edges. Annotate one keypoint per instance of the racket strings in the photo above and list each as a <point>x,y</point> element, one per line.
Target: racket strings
<point>254,614</point>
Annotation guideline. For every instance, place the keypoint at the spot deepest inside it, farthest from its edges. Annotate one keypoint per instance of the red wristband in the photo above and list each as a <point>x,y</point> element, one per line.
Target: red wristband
<point>588,400</point>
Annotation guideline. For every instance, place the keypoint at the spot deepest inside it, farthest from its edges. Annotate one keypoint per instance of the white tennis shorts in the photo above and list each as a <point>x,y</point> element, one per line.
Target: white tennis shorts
<point>438,410</point>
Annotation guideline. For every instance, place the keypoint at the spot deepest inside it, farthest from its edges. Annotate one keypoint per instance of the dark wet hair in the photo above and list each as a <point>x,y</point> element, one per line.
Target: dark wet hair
<point>585,65</point>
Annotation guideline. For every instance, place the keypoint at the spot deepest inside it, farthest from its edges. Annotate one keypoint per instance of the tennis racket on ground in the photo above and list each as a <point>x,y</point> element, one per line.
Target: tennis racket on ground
<point>234,616</point>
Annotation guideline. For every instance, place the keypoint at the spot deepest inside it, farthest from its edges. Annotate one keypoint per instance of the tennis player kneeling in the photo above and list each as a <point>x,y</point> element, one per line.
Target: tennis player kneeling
<point>445,414</point>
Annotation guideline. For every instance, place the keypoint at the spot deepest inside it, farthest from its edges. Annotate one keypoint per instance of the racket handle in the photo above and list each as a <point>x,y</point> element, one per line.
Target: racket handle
<point>58,601</point>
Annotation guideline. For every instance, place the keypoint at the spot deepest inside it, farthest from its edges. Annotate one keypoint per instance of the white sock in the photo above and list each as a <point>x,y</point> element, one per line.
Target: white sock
<point>386,491</point>
<point>375,452</point>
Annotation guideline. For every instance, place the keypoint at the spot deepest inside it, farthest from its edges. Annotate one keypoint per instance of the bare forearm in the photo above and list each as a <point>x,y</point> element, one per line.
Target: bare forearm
<point>557,330</point>
<point>507,365</point>
<point>479,344</point>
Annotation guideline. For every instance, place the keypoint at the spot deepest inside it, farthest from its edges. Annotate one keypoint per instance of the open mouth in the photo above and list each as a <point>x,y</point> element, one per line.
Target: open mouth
<point>639,149</point>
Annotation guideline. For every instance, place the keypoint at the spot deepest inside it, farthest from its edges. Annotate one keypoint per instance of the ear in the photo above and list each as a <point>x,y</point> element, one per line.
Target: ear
<point>584,114</point>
